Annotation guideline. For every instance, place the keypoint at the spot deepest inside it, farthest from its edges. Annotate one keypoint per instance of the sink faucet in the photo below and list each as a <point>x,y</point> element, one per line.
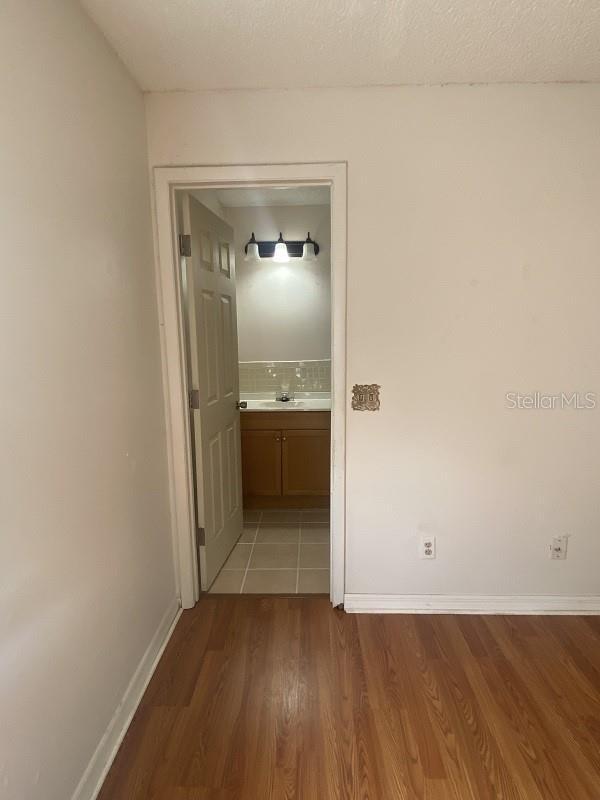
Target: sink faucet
<point>285,392</point>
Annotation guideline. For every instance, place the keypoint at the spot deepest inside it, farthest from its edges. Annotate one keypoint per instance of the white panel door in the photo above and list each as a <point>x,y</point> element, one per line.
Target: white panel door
<point>209,298</point>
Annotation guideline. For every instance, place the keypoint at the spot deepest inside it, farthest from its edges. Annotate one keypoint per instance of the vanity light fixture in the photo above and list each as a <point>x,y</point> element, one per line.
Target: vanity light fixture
<point>281,250</point>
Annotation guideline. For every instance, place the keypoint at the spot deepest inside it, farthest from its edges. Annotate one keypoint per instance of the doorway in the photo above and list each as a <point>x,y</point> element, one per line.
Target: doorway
<point>280,295</point>
<point>272,509</point>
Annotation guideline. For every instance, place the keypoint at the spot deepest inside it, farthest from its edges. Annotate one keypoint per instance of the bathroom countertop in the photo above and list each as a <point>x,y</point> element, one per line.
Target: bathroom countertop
<point>302,401</point>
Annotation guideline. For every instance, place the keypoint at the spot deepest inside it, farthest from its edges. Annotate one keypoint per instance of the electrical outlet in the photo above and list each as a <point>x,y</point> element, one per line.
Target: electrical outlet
<point>558,548</point>
<point>427,547</point>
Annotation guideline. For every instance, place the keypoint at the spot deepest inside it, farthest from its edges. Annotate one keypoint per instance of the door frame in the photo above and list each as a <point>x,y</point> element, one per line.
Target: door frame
<point>166,181</point>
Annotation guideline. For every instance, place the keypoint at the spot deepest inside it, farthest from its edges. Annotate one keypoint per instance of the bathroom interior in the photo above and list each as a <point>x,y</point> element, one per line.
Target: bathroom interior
<point>281,241</point>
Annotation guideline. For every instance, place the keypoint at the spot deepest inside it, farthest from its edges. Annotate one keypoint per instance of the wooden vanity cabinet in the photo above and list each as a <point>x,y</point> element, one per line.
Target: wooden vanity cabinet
<point>305,462</point>
<point>261,463</point>
<point>285,458</point>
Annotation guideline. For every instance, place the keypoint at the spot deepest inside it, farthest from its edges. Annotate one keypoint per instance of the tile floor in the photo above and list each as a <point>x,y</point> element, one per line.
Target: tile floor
<point>279,552</point>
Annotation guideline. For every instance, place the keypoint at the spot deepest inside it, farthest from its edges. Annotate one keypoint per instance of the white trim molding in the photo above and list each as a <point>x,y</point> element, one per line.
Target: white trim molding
<point>470,604</point>
<point>101,761</point>
<point>167,180</point>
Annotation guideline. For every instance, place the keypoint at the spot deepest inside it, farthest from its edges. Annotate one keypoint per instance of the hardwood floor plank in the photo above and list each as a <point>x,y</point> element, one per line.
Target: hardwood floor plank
<point>276,698</point>
<point>418,650</point>
<point>475,740</point>
<point>387,701</point>
<point>170,686</point>
<point>521,673</point>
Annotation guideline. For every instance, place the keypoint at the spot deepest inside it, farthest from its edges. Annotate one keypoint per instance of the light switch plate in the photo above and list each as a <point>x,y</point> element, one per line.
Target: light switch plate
<point>365,397</point>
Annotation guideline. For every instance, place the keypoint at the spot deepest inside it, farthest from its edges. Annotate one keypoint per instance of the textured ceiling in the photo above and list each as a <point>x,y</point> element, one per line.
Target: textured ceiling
<point>228,44</point>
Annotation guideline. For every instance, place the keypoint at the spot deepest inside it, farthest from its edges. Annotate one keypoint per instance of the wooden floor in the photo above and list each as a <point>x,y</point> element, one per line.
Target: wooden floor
<point>286,698</point>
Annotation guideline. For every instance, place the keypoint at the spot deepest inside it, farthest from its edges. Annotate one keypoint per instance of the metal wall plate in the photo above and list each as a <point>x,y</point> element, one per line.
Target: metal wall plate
<point>365,397</point>
<point>185,245</point>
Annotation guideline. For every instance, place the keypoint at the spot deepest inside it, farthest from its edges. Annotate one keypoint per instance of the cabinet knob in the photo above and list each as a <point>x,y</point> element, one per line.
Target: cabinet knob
<point>284,438</point>
<point>278,438</point>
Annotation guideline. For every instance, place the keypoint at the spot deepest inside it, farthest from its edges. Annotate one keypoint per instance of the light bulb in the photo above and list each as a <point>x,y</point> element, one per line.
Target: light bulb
<point>308,249</point>
<point>281,255</point>
<point>252,252</point>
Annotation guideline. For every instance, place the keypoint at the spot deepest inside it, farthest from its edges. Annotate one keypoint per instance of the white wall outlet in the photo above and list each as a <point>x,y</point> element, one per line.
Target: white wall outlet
<point>558,547</point>
<point>427,547</point>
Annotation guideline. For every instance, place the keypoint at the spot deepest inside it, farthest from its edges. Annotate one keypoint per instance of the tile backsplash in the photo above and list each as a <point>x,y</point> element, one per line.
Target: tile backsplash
<point>291,376</point>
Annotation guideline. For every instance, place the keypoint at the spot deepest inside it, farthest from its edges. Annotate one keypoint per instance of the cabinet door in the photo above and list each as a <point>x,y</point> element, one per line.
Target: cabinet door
<point>261,462</point>
<point>305,462</point>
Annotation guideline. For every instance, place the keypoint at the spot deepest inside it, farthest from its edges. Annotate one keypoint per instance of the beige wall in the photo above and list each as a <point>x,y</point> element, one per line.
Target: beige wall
<point>85,552</point>
<point>473,271</point>
<point>283,310</point>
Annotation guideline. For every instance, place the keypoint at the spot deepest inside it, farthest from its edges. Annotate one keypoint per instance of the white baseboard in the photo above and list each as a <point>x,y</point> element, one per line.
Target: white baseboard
<point>470,604</point>
<point>96,771</point>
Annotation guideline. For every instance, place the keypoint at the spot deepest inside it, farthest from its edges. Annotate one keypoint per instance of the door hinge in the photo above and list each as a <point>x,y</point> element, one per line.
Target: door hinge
<point>185,245</point>
<point>194,399</point>
<point>201,537</point>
